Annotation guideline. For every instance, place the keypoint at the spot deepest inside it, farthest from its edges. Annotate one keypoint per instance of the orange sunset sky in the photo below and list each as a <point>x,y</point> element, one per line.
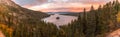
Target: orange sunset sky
<point>60,5</point>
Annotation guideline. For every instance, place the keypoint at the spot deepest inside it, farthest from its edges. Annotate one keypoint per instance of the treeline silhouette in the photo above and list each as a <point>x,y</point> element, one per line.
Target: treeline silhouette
<point>94,23</point>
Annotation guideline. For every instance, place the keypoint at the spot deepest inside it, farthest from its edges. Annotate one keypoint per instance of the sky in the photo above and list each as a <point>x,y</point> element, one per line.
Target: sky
<point>60,5</point>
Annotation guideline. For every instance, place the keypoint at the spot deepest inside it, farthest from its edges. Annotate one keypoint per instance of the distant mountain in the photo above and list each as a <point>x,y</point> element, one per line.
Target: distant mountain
<point>64,13</point>
<point>10,10</point>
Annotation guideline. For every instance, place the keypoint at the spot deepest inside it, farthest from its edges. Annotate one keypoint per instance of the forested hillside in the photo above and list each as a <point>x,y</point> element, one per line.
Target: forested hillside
<point>95,23</point>
<point>16,21</point>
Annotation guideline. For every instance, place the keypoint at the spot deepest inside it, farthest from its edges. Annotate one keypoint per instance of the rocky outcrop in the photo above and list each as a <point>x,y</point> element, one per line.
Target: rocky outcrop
<point>115,33</point>
<point>9,2</point>
<point>1,34</point>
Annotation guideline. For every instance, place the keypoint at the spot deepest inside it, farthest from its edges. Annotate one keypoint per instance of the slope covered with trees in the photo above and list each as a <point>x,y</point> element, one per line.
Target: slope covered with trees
<point>95,23</point>
<point>16,21</point>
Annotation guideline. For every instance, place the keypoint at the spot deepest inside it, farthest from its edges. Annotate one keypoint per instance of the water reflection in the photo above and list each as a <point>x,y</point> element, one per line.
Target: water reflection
<point>60,20</point>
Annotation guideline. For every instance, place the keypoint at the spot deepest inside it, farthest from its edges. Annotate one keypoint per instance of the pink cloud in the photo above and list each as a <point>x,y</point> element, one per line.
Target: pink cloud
<point>67,6</point>
<point>53,7</point>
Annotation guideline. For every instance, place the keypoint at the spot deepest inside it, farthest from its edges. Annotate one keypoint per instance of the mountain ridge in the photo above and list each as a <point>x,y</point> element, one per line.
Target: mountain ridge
<point>11,10</point>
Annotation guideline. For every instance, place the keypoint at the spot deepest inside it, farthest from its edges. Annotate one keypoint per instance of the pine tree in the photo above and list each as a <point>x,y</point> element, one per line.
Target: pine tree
<point>84,20</point>
<point>117,6</point>
<point>91,26</point>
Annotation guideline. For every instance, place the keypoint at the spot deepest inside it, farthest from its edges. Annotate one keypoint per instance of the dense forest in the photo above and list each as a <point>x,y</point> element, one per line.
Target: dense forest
<point>21,22</point>
<point>95,23</point>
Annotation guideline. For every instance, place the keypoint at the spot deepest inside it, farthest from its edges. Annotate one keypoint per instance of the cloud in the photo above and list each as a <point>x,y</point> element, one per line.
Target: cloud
<point>60,5</point>
<point>71,9</point>
<point>38,2</point>
<point>29,2</point>
<point>53,7</point>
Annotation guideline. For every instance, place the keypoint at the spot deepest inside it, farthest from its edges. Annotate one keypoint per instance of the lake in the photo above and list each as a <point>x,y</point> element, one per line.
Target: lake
<point>60,20</point>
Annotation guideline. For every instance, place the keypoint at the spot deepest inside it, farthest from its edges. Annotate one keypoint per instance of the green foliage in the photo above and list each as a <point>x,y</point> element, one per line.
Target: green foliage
<point>27,23</point>
<point>35,30</point>
<point>95,23</point>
